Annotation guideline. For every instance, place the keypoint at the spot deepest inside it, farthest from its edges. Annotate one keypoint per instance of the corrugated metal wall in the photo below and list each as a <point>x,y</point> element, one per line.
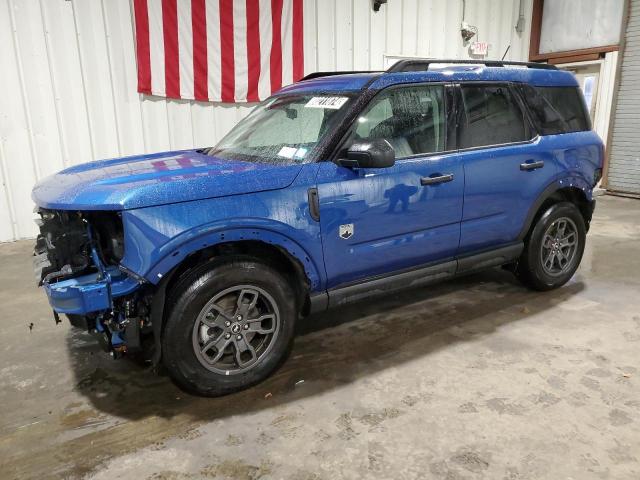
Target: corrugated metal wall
<point>624,160</point>
<point>68,78</point>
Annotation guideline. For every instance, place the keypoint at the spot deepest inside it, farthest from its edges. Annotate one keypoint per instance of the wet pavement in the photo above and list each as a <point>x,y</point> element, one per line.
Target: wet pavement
<point>474,378</point>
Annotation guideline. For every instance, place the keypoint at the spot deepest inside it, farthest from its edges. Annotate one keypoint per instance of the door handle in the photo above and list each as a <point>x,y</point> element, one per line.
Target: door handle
<point>435,180</point>
<point>531,165</point>
<point>314,204</point>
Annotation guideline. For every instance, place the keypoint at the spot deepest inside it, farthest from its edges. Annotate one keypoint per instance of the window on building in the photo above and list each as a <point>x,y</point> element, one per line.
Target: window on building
<point>491,117</point>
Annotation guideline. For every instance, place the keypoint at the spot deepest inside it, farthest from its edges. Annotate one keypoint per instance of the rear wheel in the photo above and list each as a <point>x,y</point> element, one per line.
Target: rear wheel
<point>230,326</point>
<point>553,248</point>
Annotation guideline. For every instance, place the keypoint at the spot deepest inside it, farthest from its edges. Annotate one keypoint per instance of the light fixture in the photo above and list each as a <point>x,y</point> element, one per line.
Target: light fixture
<point>377,4</point>
<point>467,31</point>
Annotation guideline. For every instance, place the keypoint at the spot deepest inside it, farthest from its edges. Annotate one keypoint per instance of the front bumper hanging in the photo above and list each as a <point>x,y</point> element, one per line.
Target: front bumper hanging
<point>89,293</point>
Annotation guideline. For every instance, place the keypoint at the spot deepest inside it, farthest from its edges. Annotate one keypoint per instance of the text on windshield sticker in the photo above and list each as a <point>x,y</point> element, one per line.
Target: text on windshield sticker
<point>327,102</point>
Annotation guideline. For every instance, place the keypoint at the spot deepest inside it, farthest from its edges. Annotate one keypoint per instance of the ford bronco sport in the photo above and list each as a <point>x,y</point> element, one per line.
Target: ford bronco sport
<point>338,187</point>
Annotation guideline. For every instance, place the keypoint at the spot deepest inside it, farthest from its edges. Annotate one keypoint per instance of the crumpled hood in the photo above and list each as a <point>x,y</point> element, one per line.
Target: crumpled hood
<point>157,179</point>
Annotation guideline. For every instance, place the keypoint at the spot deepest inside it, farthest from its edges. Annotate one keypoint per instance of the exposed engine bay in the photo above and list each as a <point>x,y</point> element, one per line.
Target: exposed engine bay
<point>63,248</point>
<point>83,249</point>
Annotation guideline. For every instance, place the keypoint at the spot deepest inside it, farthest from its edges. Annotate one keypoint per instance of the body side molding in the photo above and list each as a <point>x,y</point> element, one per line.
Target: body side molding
<point>423,275</point>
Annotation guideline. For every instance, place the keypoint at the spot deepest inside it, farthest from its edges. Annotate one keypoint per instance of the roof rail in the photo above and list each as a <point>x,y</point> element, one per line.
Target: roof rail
<point>421,64</point>
<point>330,74</point>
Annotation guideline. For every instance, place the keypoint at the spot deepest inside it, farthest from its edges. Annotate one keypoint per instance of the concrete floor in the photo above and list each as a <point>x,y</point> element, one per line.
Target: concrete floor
<point>474,378</point>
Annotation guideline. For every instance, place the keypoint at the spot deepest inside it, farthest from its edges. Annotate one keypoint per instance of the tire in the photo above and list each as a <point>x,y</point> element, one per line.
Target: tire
<point>535,269</point>
<point>205,308</point>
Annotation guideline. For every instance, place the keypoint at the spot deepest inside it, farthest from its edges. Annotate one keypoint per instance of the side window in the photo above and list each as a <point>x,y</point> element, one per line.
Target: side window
<point>411,119</point>
<point>491,117</point>
<point>557,109</point>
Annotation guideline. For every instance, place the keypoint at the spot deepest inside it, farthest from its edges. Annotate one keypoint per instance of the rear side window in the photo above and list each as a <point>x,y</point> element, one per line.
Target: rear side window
<point>491,117</point>
<point>556,109</point>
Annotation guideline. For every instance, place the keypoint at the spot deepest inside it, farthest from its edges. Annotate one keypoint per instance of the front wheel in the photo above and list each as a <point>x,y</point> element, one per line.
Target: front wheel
<point>230,326</point>
<point>554,248</point>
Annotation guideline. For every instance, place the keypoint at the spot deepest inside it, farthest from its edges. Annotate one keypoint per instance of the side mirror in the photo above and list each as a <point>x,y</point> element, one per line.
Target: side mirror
<point>372,154</point>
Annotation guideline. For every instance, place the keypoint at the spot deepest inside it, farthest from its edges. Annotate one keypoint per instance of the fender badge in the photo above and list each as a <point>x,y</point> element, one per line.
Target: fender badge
<point>346,231</point>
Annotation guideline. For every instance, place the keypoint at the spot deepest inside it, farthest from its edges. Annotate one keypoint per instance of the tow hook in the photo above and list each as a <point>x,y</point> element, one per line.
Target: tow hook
<point>118,347</point>
<point>111,342</point>
<point>108,329</point>
<point>118,352</point>
<point>119,335</point>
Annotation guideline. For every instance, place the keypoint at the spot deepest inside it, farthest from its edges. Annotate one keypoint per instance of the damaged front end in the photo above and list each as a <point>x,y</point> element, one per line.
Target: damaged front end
<point>76,260</point>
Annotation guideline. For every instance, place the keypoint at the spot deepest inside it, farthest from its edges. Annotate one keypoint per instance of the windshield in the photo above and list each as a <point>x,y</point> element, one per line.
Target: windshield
<point>283,130</point>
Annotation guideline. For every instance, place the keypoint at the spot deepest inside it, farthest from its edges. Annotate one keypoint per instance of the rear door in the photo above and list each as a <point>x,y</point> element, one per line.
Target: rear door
<point>378,220</point>
<point>506,165</point>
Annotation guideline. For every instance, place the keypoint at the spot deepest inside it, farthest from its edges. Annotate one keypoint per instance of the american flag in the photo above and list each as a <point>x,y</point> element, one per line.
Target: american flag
<point>218,50</point>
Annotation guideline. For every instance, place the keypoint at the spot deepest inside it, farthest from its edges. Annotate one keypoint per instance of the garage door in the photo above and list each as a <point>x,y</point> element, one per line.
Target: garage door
<point>624,166</point>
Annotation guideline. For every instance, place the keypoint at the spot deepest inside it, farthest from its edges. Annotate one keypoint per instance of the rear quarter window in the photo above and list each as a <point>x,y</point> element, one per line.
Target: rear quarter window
<point>556,110</point>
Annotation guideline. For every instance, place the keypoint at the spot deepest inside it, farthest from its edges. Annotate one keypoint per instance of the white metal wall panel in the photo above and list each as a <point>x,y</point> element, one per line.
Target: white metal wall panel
<point>624,159</point>
<point>17,146</point>
<point>69,78</point>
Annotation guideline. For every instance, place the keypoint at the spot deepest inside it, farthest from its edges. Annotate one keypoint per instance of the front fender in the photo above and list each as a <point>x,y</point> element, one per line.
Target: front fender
<point>152,255</point>
<point>174,254</point>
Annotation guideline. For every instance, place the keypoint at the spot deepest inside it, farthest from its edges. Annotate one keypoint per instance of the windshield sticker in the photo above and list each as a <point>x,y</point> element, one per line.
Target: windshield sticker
<point>300,153</point>
<point>287,152</point>
<point>327,102</point>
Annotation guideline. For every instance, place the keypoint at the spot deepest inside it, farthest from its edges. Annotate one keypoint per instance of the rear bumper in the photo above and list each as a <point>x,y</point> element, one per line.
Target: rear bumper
<point>89,293</point>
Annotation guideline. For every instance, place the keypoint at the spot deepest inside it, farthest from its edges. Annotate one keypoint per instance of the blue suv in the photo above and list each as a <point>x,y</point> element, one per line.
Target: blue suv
<point>339,187</point>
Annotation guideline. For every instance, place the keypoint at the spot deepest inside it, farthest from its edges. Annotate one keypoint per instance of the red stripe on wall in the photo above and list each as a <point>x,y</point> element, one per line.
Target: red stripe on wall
<point>298,42</point>
<point>253,49</point>
<point>143,53</point>
<point>200,66</point>
<point>171,51</point>
<point>276,45</point>
<point>227,52</point>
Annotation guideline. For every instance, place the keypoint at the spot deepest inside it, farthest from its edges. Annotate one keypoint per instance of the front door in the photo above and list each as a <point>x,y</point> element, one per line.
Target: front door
<point>376,221</point>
